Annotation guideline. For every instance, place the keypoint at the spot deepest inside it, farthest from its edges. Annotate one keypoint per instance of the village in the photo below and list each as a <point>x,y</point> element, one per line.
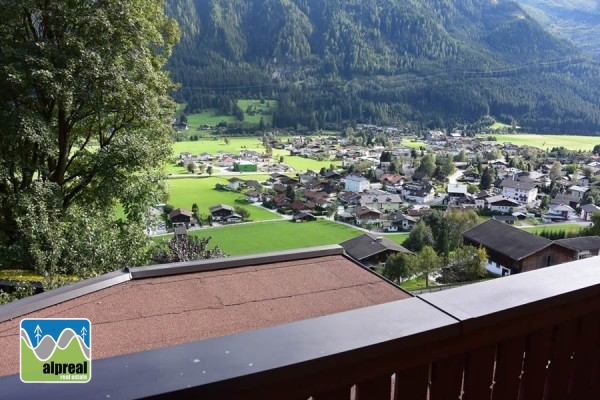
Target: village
<point>388,189</point>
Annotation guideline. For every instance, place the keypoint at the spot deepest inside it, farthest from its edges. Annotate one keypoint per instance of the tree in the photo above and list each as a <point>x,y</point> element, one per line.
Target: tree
<point>554,173</point>
<point>486,179</point>
<point>472,188</point>
<point>427,263</point>
<point>596,150</point>
<point>571,169</point>
<point>399,267</point>
<point>427,164</point>
<point>466,263</point>
<point>226,140</point>
<point>419,237</point>
<point>290,192</point>
<point>209,170</point>
<point>457,222</point>
<point>281,159</point>
<point>85,118</point>
<point>461,156</point>
<point>191,167</point>
<point>448,167</point>
<point>242,212</point>
<point>186,248</point>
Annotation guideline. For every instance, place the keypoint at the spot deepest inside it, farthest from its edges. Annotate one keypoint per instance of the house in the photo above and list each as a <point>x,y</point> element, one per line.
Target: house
<point>168,307</point>
<point>578,191</point>
<point>570,201</point>
<point>512,250</point>
<point>456,191</point>
<point>221,212</point>
<point>366,215</point>
<point>418,192</point>
<point>303,216</point>
<point>563,211</point>
<point>587,210</point>
<point>180,217</point>
<point>524,192</point>
<point>399,222</point>
<point>383,202</point>
<point>253,196</point>
<point>499,165</point>
<point>501,204</point>
<point>470,176</point>
<point>507,219</point>
<point>354,183</point>
<point>235,183</point>
<point>582,247</point>
<point>370,249</point>
<point>226,162</point>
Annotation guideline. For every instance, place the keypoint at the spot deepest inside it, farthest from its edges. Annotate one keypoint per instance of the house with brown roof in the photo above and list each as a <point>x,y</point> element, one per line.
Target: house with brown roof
<point>181,217</point>
<point>512,250</point>
<point>366,215</point>
<point>139,310</point>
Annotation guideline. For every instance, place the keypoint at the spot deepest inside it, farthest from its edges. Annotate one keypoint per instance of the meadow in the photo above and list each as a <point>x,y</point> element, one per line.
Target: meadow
<point>185,192</point>
<point>212,116</point>
<point>546,142</point>
<point>275,236</point>
<point>554,228</point>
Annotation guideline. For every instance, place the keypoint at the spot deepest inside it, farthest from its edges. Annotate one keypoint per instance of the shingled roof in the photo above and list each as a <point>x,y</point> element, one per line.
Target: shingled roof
<point>151,307</point>
<point>367,245</point>
<point>580,243</point>
<point>508,240</point>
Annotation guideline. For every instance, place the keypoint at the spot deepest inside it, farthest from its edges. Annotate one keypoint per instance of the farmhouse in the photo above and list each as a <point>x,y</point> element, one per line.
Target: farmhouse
<point>512,250</point>
<point>521,191</point>
<point>419,192</point>
<point>370,249</point>
<point>180,217</point>
<point>582,247</point>
<point>382,202</point>
<point>223,212</point>
<point>587,211</point>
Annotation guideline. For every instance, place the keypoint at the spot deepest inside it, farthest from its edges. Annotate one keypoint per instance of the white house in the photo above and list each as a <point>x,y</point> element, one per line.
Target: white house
<point>422,192</point>
<point>501,204</point>
<point>354,183</point>
<point>523,192</point>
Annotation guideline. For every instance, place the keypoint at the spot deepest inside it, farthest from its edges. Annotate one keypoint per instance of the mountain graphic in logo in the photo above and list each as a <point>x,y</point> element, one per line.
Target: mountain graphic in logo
<point>56,350</point>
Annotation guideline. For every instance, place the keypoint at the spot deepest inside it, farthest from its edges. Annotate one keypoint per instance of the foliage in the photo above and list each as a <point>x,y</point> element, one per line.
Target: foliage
<point>85,118</point>
<point>186,248</point>
<point>419,237</point>
<point>427,263</point>
<point>242,212</point>
<point>465,263</point>
<point>21,290</point>
<point>487,179</point>
<point>437,63</point>
<point>399,267</point>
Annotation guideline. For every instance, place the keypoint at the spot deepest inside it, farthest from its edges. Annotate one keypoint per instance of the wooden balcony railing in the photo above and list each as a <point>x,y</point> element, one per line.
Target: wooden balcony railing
<point>530,336</point>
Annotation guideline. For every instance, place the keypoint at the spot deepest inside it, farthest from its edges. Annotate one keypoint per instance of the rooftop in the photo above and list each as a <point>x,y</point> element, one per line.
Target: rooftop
<point>152,307</point>
<point>508,240</point>
<point>367,245</point>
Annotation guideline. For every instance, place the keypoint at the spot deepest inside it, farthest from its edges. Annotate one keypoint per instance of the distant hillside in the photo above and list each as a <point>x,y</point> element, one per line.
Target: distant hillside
<point>576,20</point>
<point>433,62</point>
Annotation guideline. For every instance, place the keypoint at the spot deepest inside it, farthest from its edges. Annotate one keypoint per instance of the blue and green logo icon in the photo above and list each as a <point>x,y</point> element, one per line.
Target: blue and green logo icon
<point>56,350</point>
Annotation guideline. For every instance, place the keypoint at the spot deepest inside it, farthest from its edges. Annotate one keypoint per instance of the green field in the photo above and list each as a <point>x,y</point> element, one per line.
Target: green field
<point>571,142</point>
<point>185,192</point>
<point>554,228</point>
<point>213,117</point>
<point>274,236</point>
<point>414,144</point>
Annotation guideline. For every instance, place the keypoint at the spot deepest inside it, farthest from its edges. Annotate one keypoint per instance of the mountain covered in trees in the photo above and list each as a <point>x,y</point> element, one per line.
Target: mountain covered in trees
<point>432,63</point>
<point>576,20</point>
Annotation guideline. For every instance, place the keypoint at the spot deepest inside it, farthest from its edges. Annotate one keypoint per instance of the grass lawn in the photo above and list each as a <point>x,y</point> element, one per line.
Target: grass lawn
<point>571,142</point>
<point>210,116</point>
<point>554,228</point>
<point>398,237</point>
<point>266,110</point>
<point>209,145</point>
<point>415,284</point>
<point>274,236</point>
<point>413,144</point>
<point>185,192</point>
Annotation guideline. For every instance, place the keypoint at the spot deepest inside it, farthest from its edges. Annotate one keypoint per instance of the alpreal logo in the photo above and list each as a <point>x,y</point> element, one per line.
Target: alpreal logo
<point>56,350</point>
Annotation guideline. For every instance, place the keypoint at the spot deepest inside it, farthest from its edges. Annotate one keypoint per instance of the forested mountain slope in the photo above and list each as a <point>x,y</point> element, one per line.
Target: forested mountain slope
<point>436,62</point>
<point>576,20</point>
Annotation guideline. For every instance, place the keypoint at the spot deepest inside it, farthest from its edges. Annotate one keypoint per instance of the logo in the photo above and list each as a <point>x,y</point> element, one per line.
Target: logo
<point>56,350</point>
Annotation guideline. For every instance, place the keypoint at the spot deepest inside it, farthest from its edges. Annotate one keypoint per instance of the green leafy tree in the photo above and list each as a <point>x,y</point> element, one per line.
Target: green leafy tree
<point>427,164</point>
<point>448,167</point>
<point>209,170</point>
<point>242,212</point>
<point>399,267</point>
<point>191,167</point>
<point>427,263</point>
<point>419,237</point>
<point>466,263</point>
<point>457,222</point>
<point>85,118</point>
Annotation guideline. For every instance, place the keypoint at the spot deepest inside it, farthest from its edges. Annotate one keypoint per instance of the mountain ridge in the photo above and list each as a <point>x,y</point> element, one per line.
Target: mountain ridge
<point>326,61</point>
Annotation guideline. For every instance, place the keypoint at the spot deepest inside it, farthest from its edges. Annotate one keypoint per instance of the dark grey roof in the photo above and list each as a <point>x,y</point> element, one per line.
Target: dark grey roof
<point>509,183</point>
<point>580,243</point>
<point>503,238</point>
<point>367,245</point>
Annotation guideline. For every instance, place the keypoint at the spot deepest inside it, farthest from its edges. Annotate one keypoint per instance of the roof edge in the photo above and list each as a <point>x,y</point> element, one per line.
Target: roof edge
<point>152,271</point>
<point>46,299</point>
